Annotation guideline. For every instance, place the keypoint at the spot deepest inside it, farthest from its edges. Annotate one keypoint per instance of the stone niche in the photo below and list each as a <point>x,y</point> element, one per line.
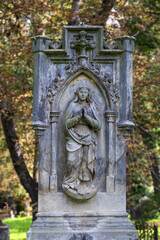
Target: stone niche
<point>82,113</point>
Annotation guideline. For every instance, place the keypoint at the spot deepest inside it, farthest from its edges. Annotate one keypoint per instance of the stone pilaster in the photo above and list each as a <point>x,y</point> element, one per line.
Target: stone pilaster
<point>110,179</point>
<point>126,44</point>
<point>54,115</point>
<point>39,44</point>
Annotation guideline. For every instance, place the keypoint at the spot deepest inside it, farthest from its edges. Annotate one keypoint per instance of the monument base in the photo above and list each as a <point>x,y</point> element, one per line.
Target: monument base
<point>4,231</point>
<point>113,226</point>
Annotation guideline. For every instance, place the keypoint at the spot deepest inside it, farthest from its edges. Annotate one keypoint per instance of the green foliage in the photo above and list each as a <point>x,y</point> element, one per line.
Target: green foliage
<point>144,154</point>
<point>18,227</point>
<point>141,19</point>
<point>150,209</point>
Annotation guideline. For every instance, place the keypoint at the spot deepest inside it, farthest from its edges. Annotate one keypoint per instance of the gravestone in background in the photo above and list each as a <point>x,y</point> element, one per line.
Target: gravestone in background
<point>4,231</point>
<point>82,113</point>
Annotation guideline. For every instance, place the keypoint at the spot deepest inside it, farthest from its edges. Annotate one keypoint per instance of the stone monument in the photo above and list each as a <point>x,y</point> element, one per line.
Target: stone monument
<point>82,114</point>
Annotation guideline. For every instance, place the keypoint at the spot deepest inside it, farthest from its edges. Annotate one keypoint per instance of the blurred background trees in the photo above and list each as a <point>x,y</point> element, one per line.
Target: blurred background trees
<point>22,19</point>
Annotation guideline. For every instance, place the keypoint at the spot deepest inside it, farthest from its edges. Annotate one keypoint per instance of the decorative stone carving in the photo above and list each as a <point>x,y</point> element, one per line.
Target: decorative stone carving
<point>54,116</point>
<point>111,89</point>
<point>82,124</point>
<point>50,94</point>
<point>39,127</point>
<point>110,115</point>
<point>95,68</point>
<point>71,67</point>
<point>81,45</point>
<point>108,45</point>
<point>82,109</point>
<point>105,78</point>
<point>53,89</point>
<point>57,45</point>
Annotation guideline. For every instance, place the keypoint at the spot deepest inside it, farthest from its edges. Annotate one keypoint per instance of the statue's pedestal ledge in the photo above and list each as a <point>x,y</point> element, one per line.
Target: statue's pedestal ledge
<point>114,226</point>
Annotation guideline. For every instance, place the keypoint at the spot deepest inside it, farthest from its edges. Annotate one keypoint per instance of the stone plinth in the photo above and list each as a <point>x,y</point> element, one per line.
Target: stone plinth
<point>113,226</point>
<point>4,231</point>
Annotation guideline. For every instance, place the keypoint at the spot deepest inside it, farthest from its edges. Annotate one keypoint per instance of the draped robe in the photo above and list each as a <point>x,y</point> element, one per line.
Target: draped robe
<point>81,147</point>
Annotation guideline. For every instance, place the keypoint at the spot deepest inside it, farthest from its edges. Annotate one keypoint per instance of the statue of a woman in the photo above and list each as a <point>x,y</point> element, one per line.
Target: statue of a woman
<point>82,123</point>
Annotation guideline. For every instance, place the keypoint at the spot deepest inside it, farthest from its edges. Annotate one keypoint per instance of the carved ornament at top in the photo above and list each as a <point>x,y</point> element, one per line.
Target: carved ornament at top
<point>83,43</point>
<point>57,45</point>
<point>110,46</point>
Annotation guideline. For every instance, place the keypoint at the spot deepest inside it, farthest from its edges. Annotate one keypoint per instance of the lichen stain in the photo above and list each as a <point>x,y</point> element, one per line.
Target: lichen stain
<point>81,236</point>
<point>84,223</point>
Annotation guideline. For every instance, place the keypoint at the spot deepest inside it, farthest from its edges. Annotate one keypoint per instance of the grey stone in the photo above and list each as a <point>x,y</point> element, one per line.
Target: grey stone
<point>82,123</point>
<point>81,236</point>
<point>4,231</point>
<point>82,113</point>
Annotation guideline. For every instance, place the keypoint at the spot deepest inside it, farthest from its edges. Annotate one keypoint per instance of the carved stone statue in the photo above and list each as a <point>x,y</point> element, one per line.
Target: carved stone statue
<point>82,147</point>
<point>82,122</point>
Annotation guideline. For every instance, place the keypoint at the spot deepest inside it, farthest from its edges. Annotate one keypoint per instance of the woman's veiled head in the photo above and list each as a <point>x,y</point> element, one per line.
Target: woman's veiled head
<point>83,93</point>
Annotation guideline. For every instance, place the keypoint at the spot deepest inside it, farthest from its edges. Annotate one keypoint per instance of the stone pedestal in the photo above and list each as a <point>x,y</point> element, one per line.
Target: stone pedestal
<point>4,231</point>
<point>82,112</point>
<point>78,227</point>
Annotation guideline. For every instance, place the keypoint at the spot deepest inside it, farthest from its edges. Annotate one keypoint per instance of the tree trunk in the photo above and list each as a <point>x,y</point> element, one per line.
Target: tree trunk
<point>155,174</point>
<point>153,160</point>
<point>18,161</point>
<point>76,5</point>
<point>107,6</point>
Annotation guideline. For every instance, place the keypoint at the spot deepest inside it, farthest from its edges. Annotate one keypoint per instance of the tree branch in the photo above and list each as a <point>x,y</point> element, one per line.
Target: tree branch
<point>144,24</point>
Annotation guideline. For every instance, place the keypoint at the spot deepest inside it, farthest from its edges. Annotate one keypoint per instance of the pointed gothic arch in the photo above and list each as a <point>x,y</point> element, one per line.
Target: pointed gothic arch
<point>92,76</point>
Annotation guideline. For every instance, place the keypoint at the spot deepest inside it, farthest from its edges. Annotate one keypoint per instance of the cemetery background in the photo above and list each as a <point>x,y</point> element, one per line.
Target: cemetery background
<point>19,24</point>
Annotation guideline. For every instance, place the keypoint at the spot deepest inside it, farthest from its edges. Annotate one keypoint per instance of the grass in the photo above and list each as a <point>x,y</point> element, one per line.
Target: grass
<point>157,220</point>
<point>18,227</point>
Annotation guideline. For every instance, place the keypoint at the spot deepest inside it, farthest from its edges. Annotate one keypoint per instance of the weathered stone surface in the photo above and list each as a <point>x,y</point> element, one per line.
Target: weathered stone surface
<point>82,113</point>
<point>82,122</point>
<point>81,236</point>
<point>4,231</point>
<point>66,226</point>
